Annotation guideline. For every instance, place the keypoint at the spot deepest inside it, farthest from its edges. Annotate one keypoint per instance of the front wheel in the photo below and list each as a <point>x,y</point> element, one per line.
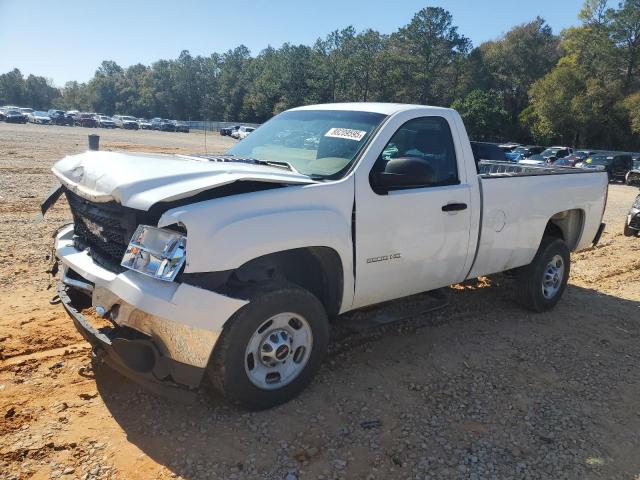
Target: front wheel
<point>541,283</point>
<point>271,348</point>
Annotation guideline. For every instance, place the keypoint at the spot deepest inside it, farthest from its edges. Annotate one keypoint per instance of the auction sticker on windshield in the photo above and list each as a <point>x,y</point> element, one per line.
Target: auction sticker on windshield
<point>346,133</point>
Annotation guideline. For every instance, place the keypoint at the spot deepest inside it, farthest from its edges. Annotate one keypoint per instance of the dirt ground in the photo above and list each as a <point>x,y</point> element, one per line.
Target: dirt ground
<point>482,389</point>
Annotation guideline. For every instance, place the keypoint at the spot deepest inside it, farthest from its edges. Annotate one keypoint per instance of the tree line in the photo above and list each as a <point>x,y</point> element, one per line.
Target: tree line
<point>580,87</point>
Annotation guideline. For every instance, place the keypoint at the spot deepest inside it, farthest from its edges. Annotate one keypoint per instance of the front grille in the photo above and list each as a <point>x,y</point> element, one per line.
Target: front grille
<point>635,221</point>
<point>104,229</point>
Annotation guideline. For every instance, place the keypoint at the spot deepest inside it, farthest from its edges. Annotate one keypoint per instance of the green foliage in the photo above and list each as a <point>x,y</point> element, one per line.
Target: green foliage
<point>580,88</point>
<point>590,96</point>
<point>483,114</point>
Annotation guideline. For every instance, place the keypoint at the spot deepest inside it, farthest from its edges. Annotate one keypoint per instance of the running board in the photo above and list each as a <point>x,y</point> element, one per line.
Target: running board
<point>395,311</point>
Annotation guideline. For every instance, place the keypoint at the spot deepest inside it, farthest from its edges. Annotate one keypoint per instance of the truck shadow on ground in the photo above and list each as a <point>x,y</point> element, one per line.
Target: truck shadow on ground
<point>511,356</point>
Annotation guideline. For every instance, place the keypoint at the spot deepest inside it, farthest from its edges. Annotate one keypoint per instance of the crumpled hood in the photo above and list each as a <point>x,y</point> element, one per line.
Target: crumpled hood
<point>140,180</point>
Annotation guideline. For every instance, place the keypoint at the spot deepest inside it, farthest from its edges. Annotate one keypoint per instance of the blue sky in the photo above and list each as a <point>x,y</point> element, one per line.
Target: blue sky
<point>66,40</point>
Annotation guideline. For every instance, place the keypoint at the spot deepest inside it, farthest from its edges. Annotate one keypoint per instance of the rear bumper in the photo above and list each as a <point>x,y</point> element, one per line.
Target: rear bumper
<point>178,324</point>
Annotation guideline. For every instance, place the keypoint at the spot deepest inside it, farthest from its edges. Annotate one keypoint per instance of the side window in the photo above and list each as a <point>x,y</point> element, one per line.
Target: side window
<point>424,146</point>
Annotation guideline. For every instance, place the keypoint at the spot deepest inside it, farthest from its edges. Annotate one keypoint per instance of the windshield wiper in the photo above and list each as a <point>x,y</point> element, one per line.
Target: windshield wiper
<point>253,161</point>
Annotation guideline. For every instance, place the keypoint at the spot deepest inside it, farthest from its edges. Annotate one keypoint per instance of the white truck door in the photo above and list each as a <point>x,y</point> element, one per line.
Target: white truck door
<point>412,239</point>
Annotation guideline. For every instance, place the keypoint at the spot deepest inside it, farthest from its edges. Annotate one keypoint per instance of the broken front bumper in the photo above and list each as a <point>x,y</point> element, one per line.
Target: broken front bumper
<point>164,332</point>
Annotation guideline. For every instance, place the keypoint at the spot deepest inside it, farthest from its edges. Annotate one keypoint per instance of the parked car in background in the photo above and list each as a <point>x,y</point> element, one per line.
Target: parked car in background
<point>522,152</point>
<point>181,126</point>
<point>83,119</point>
<point>39,117</point>
<point>26,111</point>
<point>3,111</point>
<point>548,156</point>
<point>59,117</point>
<point>126,121</point>
<point>632,225</point>
<point>565,162</point>
<point>509,146</point>
<point>144,124</point>
<point>243,132</point>
<point>105,121</point>
<point>633,176</point>
<point>487,151</point>
<point>575,159</point>
<point>227,131</point>
<point>14,116</point>
<point>166,125</point>
<point>617,165</point>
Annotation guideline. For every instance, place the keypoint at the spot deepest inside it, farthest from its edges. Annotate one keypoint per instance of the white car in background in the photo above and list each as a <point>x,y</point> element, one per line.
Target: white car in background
<point>144,124</point>
<point>26,111</point>
<point>242,132</point>
<point>40,117</point>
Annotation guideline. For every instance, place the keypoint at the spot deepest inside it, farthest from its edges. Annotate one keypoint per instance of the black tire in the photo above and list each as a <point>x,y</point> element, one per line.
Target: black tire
<point>629,232</point>
<point>226,369</point>
<point>529,279</point>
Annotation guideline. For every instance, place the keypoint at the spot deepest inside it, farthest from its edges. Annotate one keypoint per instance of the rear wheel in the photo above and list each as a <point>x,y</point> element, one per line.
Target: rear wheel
<point>271,348</point>
<point>541,283</point>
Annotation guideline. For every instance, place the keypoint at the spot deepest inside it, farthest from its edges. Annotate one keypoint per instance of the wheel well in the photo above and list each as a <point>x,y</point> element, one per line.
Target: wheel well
<point>316,269</point>
<point>566,225</point>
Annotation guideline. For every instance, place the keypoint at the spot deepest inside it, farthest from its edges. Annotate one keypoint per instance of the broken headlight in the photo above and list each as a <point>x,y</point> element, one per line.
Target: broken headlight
<point>156,252</point>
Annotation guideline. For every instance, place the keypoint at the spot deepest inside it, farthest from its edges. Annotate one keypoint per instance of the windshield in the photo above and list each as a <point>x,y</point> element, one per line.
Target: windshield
<point>320,143</point>
<point>129,118</point>
<point>40,114</point>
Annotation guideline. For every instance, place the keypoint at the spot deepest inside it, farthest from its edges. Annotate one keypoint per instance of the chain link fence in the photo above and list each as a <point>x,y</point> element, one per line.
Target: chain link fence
<point>216,126</point>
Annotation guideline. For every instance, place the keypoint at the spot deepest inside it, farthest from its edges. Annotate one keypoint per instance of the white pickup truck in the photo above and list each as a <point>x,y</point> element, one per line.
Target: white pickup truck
<point>233,265</point>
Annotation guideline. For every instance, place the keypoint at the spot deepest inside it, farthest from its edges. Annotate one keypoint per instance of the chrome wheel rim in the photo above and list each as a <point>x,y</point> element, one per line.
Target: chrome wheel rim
<point>552,277</point>
<point>278,351</point>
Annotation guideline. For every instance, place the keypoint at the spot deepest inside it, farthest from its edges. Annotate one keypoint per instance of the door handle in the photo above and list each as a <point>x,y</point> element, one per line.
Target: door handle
<point>454,207</point>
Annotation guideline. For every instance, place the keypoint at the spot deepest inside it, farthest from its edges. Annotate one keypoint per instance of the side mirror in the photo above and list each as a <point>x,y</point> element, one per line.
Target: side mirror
<point>403,172</point>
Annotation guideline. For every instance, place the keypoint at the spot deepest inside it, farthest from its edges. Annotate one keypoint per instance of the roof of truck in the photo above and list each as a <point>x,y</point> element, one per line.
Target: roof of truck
<point>383,108</point>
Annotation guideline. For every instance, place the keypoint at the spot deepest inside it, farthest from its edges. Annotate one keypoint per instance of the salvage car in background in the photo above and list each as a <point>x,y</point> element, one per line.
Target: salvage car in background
<point>633,176</point>
<point>144,124</point>
<point>181,126</point>
<point>60,117</point>
<point>83,119</point>
<point>487,151</point>
<point>126,121</point>
<point>165,125</point>
<point>105,121</point>
<point>243,132</point>
<point>232,265</point>
<point>523,151</point>
<point>227,131</point>
<point>617,165</point>
<point>39,117</point>
<point>632,225</point>
<point>14,116</point>
<point>548,156</point>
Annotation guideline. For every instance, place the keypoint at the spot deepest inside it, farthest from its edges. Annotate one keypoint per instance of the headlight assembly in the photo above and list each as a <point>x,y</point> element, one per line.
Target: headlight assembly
<point>156,252</point>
